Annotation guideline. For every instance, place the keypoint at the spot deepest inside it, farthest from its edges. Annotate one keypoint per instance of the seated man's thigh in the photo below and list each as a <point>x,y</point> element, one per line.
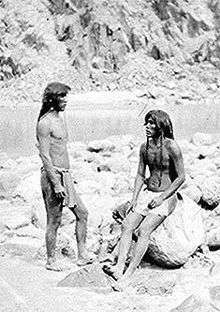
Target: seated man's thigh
<point>132,220</point>
<point>150,223</point>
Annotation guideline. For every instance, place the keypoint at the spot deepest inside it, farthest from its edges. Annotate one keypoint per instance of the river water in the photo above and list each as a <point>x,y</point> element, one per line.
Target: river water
<point>17,126</point>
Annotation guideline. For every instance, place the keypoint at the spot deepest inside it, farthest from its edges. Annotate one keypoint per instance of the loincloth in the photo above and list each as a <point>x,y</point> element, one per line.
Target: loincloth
<point>145,197</point>
<point>66,181</point>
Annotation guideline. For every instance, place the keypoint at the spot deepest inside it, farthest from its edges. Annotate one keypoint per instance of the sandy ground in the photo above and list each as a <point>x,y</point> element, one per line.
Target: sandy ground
<point>25,285</point>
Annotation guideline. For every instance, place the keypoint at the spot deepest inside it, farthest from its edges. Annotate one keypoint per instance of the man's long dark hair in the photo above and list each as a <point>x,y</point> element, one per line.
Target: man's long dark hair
<point>163,123</point>
<point>164,129</point>
<point>51,97</point>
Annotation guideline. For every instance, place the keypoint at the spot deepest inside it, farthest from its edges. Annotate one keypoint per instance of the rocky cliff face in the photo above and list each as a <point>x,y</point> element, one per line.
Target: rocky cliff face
<point>106,45</point>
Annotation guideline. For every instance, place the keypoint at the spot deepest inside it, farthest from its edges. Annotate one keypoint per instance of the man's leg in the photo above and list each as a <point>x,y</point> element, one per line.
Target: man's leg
<point>149,224</point>
<point>81,215</point>
<point>54,214</point>
<point>130,223</point>
<point>53,222</point>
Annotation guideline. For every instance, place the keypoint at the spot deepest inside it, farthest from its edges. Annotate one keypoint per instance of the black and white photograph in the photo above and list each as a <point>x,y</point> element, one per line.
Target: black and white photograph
<point>109,155</point>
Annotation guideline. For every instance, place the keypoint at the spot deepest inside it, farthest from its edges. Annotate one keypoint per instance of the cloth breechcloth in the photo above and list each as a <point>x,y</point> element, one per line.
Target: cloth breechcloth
<point>66,181</point>
<point>145,197</point>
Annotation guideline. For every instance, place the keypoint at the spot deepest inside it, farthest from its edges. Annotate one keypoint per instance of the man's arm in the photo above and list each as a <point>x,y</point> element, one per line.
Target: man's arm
<point>43,135</point>
<point>139,180</point>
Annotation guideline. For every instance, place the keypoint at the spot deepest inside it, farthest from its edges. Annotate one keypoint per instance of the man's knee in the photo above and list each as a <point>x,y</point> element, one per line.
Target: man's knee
<point>81,213</point>
<point>127,226</point>
<point>54,222</point>
<point>144,231</point>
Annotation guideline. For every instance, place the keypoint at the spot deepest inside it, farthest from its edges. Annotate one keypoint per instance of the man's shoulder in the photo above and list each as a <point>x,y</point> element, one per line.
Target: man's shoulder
<point>44,124</point>
<point>143,147</point>
<point>172,145</point>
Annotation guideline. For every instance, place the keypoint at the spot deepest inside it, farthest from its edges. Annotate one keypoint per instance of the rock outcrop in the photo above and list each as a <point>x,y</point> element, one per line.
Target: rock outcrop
<point>177,238</point>
<point>100,45</point>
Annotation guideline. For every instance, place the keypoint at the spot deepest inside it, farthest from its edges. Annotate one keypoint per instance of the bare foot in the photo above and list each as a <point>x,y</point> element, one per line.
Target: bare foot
<point>86,258</point>
<point>121,284</point>
<point>112,271</point>
<point>55,266</point>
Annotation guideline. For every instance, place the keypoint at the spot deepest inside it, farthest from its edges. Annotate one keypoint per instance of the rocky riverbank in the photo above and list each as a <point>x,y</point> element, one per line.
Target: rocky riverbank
<point>104,172</point>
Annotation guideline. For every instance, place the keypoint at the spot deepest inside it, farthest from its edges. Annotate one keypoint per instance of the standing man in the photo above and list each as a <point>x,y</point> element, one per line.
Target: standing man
<point>56,181</point>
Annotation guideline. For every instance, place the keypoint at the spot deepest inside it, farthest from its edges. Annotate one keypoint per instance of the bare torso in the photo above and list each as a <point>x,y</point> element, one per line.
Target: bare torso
<point>56,140</point>
<point>161,165</point>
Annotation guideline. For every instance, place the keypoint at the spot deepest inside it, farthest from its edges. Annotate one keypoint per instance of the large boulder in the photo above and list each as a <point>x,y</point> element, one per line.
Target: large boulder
<point>177,238</point>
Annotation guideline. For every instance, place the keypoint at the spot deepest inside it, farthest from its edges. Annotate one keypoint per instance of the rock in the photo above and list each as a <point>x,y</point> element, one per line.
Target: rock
<point>38,213</point>
<point>91,277</point>
<point>88,187</point>
<point>3,159</point>
<point>177,238</point>
<point>192,304</point>
<point>186,146</point>
<point>204,167</point>
<point>81,170</point>
<point>118,163</point>
<point>207,151</point>
<point>212,229</point>
<point>13,249</point>
<point>103,168</point>
<point>29,231</point>
<point>100,146</point>
<point>15,215</point>
<point>100,208</point>
<point>190,189</point>
<point>8,164</point>
<point>193,192</point>
<point>106,179</point>
<point>210,189</point>
<point>8,182</point>
<point>200,138</point>
<point>64,247</point>
<point>25,165</point>
<point>154,283</point>
<point>29,189</point>
<point>214,293</point>
<point>122,183</point>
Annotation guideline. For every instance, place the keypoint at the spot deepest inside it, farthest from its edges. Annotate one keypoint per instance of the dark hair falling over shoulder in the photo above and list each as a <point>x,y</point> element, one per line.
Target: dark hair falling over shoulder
<point>164,129</point>
<point>52,93</point>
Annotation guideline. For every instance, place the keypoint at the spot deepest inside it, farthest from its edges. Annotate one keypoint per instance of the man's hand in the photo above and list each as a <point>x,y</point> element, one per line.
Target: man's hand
<point>60,192</point>
<point>157,201</point>
<point>133,204</point>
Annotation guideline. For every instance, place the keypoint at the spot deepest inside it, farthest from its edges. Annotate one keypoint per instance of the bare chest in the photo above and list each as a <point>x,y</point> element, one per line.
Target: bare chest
<point>58,130</point>
<point>157,157</point>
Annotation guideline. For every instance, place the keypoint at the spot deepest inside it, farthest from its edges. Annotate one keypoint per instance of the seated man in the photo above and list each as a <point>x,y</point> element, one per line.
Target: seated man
<point>149,207</point>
